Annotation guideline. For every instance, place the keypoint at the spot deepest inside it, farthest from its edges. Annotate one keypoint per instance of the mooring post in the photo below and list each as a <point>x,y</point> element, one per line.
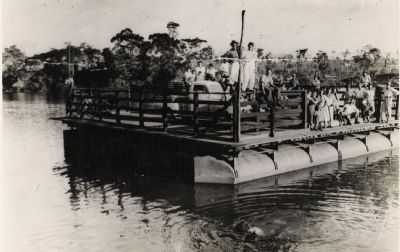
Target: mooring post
<point>195,113</point>
<point>305,105</point>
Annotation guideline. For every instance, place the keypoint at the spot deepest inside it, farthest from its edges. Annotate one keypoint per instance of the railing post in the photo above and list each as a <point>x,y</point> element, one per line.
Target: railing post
<point>141,122</point>
<point>396,107</point>
<point>68,105</point>
<point>378,105</point>
<point>305,105</point>
<point>164,111</point>
<point>236,113</point>
<point>195,113</point>
<point>81,106</point>
<point>117,112</point>
<point>272,121</point>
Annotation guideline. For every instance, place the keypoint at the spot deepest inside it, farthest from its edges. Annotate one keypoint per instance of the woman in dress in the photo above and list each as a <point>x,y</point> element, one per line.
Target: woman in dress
<point>249,73</point>
<point>331,102</point>
<point>323,112</point>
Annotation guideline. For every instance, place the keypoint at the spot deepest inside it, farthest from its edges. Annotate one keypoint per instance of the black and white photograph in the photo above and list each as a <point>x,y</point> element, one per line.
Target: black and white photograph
<point>196,126</point>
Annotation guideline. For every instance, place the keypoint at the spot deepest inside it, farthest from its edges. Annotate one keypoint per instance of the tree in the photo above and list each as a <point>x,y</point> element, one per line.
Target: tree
<point>12,66</point>
<point>126,56</point>
<point>323,62</point>
<point>367,57</point>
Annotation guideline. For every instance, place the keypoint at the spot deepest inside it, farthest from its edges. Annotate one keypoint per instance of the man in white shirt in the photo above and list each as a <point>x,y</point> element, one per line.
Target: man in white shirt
<point>388,94</point>
<point>350,111</point>
<point>200,71</point>
<point>189,75</point>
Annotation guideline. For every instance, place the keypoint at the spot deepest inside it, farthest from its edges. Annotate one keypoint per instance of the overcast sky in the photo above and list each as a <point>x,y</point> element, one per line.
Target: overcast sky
<point>279,26</point>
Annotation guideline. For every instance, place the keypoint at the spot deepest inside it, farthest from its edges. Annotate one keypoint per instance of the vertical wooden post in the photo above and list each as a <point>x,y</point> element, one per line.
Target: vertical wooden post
<point>164,111</point>
<point>305,108</point>
<point>68,105</point>
<point>141,122</point>
<point>117,111</point>
<point>396,116</point>
<point>272,120</point>
<point>81,105</point>
<point>378,105</point>
<point>236,105</point>
<point>195,113</point>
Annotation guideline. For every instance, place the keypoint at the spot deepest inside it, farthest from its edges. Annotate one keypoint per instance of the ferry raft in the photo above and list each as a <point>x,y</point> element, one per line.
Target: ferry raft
<point>200,134</point>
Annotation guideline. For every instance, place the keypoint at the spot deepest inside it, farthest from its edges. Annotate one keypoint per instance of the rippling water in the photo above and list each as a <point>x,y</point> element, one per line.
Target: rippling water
<point>49,205</point>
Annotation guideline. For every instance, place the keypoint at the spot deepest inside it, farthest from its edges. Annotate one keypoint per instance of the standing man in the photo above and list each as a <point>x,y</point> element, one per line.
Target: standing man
<point>200,71</point>
<point>294,82</point>
<point>388,93</point>
<point>173,30</point>
<point>234,63</point>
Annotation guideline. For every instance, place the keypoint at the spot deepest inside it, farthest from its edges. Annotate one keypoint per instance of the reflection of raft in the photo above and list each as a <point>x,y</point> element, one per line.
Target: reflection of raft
<point>263,161</point>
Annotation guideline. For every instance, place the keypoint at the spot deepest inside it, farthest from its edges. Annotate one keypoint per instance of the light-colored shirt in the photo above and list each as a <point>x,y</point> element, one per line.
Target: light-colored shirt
<point>349,109</point>
<point>200,73</point>
<point>189,76</point>
<point>266,81</point>
<point>211,71</point>
<point>366,79</point>
<point>224,67</point>
<point>388,92</point>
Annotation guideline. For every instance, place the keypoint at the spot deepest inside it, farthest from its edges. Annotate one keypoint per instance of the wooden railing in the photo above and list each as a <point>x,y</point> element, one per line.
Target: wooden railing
<point>208,115</point>
<point>200,114</point>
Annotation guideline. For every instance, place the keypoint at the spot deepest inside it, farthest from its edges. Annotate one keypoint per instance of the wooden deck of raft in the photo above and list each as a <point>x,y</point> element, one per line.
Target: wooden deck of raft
<point>249,140</point>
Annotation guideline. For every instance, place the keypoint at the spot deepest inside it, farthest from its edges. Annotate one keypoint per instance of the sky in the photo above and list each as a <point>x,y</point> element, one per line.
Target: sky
<point>278,26</point>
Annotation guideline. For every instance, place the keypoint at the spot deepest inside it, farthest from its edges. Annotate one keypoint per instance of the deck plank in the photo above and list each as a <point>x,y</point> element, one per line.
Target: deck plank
<point>248,140</point>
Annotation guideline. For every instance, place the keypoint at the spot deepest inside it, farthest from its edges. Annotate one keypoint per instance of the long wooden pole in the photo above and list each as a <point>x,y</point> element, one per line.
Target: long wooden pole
<point>236,105</point>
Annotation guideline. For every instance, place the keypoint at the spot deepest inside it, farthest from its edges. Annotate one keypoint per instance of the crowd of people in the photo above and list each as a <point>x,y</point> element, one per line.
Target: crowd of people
<point>262,91</point>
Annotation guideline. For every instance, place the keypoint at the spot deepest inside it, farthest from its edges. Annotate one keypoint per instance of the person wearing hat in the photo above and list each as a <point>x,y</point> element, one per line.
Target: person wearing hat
<point>172,29</point>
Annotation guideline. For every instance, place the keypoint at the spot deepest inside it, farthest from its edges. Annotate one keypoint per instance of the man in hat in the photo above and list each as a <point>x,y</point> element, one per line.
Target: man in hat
<point>172,29</point>
<point>234,63</point>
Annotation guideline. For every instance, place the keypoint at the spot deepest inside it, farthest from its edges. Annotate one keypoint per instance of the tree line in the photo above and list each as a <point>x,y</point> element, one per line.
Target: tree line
<point>134,60</point>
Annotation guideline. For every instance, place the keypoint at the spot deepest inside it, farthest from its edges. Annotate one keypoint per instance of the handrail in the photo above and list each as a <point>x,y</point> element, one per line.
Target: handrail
<point>190,109</point>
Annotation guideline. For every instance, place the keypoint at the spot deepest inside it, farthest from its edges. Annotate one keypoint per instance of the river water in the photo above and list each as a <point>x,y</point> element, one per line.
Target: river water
<point>50,205</point>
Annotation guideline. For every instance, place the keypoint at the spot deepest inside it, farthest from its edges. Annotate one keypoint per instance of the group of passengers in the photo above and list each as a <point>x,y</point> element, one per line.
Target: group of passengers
<point>264,90</point>
<point>359,104</point>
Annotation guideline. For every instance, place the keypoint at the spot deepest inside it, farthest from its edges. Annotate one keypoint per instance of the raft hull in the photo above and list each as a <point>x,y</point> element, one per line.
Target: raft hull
<point>248,165</point>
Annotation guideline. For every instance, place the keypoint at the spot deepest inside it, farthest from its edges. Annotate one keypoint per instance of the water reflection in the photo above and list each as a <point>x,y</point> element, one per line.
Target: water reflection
<point>311,209</point>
